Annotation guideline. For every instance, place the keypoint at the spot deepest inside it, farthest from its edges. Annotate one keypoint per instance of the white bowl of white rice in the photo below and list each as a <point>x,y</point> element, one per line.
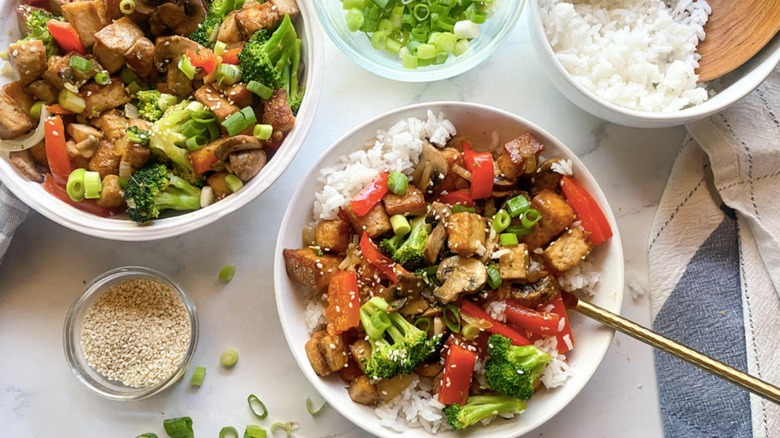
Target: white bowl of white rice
<point>415,412</point>
<point>632,62</point>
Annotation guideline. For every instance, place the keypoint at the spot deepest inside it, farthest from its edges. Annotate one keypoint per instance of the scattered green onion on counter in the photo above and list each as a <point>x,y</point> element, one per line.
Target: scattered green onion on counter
<point>228,432</point>
<point>180,427</point>
<point>229,357</point>
<point>310,407</point>
<point>147,435</point>
<point>227,273</point>
<point>253,431</point>
<point>253,400</point>
<point>287,427</point>
<point>197,376</point>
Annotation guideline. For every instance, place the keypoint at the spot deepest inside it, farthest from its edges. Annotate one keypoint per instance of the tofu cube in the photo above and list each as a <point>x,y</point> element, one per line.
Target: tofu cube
<point>412,203</point>
<point>332,235</point>
<point>376,222</point>
<point>568,251</point>
<point>466,234</point>
<point>519,156</point>
<point>513,265</point>
<point>309,269</point>
<point>556,216</point>
<point>28,58</point>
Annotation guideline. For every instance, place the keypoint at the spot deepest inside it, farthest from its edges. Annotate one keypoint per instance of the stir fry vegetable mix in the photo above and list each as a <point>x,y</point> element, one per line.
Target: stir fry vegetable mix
<point>144,106</point>
<point>412,272</point>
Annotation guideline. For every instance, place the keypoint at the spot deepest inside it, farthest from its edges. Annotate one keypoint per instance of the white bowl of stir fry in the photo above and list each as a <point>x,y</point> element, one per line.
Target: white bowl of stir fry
<point>419,280</point>
<point>138,121</point>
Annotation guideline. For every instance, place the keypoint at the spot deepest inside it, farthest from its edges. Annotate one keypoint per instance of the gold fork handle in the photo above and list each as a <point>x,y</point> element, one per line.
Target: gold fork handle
<point>720,369</point>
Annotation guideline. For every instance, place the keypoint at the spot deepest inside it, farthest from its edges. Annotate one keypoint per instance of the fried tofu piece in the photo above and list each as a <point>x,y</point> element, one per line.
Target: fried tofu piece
<point>316,359</point>
<point>361,352</point>
<point>466,234</point>
<point>362,391</point>
<point>14,122</point>
<point>229,32</point>
<point>217,183</point>
<point>99,98</point>
<point>376,222</point>
<point>568,251</point>
<point>556,214</point>
<point>112,195</point>
<point>25,164</point>
<point>213,99</point>
<point>286,7</point>
<point>239,95</point>
<point>136,155</point>
<point>28,58</point>
<point>140,59</point>
<point>309,269</point>
<point>412,203</point>
<point>105,161</point>
<point>113,125</point>
<point>43,91</point>
<point>255,16</point>
<point>277,112</point>
<point>513,265</point>
<point>326,353</point>
<point>87,17</point>
<point>519,156</point>
<point>113,41</point>
<point>332,235</point>
<point>15,91</point>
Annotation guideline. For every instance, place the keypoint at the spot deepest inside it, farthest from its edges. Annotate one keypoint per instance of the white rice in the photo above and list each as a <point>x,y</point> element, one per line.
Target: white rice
<point>639,54</point>
<point>583,277</point>
<point>314,314</point>
<point>497,310</point>
<point>557,371</point>
<point>397,149</point>
<point>415,407</point>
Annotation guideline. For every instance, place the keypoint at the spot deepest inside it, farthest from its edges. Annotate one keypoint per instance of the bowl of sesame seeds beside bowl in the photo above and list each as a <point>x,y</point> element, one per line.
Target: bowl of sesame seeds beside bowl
<point>632,62</point>
<point>131,334</point>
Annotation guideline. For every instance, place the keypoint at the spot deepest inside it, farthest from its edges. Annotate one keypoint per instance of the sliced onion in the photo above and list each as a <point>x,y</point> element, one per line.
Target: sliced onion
<point>131,112</point>
<point>29,140</point>
<point>206,196</point>
<point>476,322</point>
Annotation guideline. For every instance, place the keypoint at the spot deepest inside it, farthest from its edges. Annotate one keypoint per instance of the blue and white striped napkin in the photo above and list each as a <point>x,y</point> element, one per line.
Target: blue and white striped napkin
<point>715,269</point>
<point>12,213</point>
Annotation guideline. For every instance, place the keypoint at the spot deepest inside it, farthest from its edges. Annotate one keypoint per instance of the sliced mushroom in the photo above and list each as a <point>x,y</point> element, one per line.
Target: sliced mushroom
<point>182,16</point>
<point>435,243</point>
<point>545,177</point>
<point>236,143</point>
<point>432,164</point>
<point>532,295</point>
<point>461,275</point>
<point>247,164</point>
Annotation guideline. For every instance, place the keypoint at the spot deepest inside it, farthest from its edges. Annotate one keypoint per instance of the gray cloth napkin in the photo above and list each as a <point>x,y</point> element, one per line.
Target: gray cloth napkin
<point>12,213</point>
<point>715,269</point>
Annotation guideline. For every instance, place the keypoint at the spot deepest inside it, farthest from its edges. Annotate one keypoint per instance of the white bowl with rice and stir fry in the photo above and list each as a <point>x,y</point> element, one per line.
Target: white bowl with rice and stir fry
<point>633,62</point>
<point>135,120</point>
<point>423,311</point>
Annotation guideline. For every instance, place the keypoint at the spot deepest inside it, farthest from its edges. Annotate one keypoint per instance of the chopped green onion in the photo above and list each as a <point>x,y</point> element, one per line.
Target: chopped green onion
<point>79,63</point>
<point>457,208</point>
<point>286,427</point>
<point>197,376</point>
<point>349,4</point>
<point>147,435</point>
<point>466,29</point>
<point>191,128</point>
<point>310,408</point>
<point>355,19</point>
<point>263,132</point>
<point>127,6</point>
<point>92,185</point>
<point>219,48</point>
<point>371,17</point>
<point>228,432</point>
<point>461,47</point>
<point>229,357</point>
<point>127,76</point>
<point>71,101</point>
<point>259,89</point>
<point>385,25</point>
<point>252,400</point>
<point>400,225</point>
<point>213,129</point>
<point>470,332</point>
<point>379,40</point>
<point>518,230</point>
<point>501,220</point>
<point>179,427</point>
<point>474,14</point>
<point>203,116</point>
<point>235,123</point>
<point>421,12</point>
<point>249,115</point>
<point>196,142</point>
<point>409,61</point>
<point>451,317</point>
<point>226,274</point>
<point>103,78</point>
<point>530,217</point>
<point>426,51</point>
<point>494,276</point>
<point>380,321</point>
<point>508,239</point>
<point>517,205</point>
<point>233,182</point>
<point>397,182</point>
<point>444,41</point>
<point>423,324</point>
<point>186,67</point>
<point>393,46</point>
<point>253,431</point>
<point>35,111</point>
<point>75,185</point>
<point>227,74</point>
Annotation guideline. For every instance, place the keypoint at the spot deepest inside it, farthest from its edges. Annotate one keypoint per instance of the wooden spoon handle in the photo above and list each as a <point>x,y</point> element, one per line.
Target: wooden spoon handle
<point>636,331</point>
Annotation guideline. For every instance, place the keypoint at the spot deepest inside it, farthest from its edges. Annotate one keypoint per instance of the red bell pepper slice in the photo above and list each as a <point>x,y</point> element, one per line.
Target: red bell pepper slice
<point>204,58</point>
<point>540,323</point>
<point>374,256</point>
<point>59,110</point>
<point>343,310</point>
<point>87,205</point>
<point>231,56</point>
<point>370,195</point>
<point>456,378</point>
<point>498,328</point>
<point>588,211</point>
<point>458,197</point>
<point>480,164</point>
<point>66,36</point>
<point>56,149</point>
<point>565,337</point>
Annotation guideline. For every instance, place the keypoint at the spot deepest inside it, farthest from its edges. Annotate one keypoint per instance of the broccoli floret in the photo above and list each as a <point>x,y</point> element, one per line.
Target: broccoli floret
<point>207,31</point>
<point>511,369</point>
<point>410,253</point>
<point>292,83</point>
<point>153,189</point>
<point>264,59</point>
<point>166,137</point>
<point>152,104</point>
<point>390,245</point>
<point>397,346</point>
<point>480,407</point>
<point>36,25</point>
<point>137,135</point>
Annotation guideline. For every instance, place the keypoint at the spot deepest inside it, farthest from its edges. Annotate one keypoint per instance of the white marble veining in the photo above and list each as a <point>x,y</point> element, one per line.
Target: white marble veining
<point>47,266</point>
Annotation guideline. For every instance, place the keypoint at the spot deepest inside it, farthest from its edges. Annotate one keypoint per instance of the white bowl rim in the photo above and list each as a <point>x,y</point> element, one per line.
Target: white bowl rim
<point>422,74</point>
<point>279,270</point>
<point>125,230</point>
<point>747,83</point>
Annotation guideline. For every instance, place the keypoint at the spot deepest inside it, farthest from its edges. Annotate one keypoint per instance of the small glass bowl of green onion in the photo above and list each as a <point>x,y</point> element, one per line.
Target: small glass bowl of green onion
<point>131,333</point>
<point>418,40</point>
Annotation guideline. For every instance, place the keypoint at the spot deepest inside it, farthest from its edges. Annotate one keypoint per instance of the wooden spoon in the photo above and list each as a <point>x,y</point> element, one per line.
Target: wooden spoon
<point>735,31</point>
<point>636,331</point>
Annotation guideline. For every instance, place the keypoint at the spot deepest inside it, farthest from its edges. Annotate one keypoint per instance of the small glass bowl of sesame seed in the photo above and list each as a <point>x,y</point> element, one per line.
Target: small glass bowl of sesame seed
<point>131,333</point>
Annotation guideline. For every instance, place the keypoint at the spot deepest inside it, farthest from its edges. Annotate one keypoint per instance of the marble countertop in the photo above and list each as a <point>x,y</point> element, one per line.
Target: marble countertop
<point>47,266</point>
